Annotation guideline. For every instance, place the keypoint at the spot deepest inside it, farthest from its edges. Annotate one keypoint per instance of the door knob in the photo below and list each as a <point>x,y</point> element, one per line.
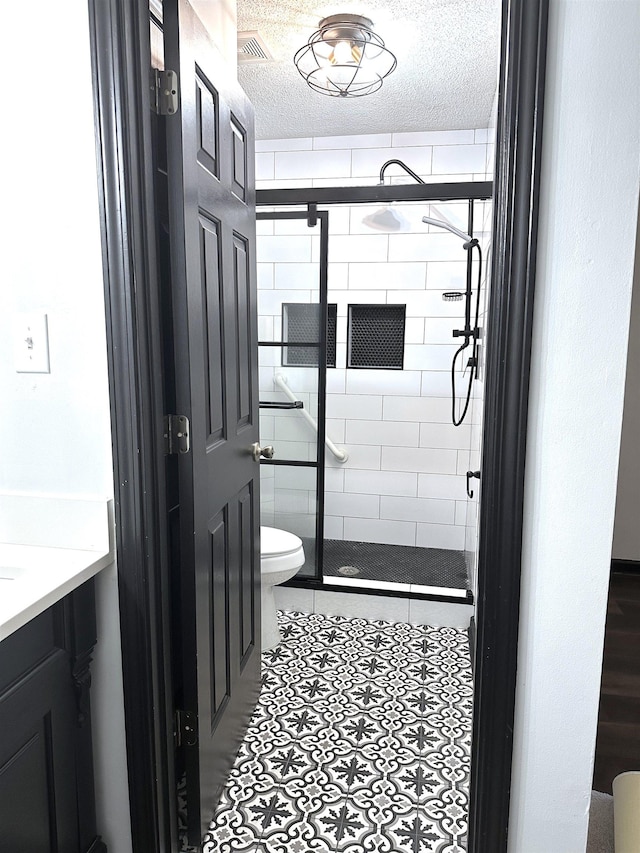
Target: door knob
<point>257,451</point>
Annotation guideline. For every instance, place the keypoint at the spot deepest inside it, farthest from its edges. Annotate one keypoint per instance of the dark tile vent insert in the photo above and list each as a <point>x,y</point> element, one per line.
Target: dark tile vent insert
<point>332,325</point>
<point>376,336</point>
<point>301,323</point>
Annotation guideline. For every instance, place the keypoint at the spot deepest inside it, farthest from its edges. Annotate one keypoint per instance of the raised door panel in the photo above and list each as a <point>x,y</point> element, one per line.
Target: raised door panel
<point>207,118</point>
<point>219,603</point>
<point>212,297</point>
<point>239,158</point>
<point>249,573</point>
<point>243,316</point>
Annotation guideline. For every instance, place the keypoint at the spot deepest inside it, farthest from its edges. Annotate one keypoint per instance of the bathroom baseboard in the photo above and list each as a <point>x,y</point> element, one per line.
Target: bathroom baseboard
<point>629,567</point>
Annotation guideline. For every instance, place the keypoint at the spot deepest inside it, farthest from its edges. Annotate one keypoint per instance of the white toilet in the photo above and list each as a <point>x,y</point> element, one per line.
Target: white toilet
<point>281,555</point>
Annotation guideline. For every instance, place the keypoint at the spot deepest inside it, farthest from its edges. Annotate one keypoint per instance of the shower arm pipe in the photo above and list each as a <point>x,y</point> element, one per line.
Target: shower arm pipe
<point>281,383</point>
<point>402,165</point>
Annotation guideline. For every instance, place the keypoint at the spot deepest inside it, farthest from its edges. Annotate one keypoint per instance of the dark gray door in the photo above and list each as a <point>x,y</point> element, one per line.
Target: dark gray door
<point>211,202</point>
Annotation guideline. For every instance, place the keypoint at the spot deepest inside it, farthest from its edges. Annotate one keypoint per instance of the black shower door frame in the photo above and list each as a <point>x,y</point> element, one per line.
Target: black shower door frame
<point>311,197</point>
<point>313,217</point>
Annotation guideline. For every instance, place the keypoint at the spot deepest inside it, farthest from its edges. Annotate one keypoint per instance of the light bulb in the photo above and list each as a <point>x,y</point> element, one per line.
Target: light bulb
<point>342,53</point>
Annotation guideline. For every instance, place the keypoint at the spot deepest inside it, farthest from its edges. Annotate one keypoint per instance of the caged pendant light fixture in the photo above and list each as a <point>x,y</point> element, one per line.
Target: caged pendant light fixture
<point>344,58</point>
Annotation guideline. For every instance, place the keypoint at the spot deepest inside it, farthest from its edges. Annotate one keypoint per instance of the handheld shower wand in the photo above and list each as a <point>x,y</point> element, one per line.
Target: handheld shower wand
<point>469,333</point>
<point>444,223</point>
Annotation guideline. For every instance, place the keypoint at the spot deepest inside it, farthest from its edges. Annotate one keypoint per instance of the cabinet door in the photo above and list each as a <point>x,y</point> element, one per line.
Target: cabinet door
<point>38,811</point>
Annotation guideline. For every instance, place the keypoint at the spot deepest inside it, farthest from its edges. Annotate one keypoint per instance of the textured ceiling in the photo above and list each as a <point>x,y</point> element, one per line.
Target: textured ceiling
<point>447,54</point>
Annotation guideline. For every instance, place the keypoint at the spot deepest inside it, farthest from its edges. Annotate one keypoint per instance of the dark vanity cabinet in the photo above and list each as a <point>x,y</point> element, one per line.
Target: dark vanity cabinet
<point>46,767</point>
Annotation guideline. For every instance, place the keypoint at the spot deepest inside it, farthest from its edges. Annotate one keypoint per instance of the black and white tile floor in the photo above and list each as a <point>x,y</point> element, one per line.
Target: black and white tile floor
<point>360,742</point>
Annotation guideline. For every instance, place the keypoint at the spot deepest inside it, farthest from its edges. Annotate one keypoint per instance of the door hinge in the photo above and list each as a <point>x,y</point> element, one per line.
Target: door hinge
<point>176,434</point>
<point>164,92</point>
<point>185,729</point>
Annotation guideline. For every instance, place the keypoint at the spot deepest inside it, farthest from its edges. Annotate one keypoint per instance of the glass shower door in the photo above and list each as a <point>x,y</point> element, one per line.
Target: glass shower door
<point>292,347</point>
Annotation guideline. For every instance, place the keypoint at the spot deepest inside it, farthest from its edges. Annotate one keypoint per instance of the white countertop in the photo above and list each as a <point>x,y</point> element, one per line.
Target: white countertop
<point>49,546</point>
<point>33,578</point>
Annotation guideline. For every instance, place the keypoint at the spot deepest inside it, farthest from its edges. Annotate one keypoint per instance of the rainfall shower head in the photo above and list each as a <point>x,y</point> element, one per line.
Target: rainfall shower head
<point>386,219</point>
<point>453,296</point>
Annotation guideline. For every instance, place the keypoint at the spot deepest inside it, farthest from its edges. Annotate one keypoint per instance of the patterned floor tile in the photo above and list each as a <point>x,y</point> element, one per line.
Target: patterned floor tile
<point>417,833</point>
<point>382,802</point>
<point>449,810</point>
<point>360,742</point>
<point>316,788</point>
<point>417,781</point>
<point>342,824</point>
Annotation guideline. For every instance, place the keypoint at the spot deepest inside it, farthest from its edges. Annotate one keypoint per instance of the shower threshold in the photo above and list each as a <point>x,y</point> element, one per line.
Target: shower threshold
<point>394,567</point>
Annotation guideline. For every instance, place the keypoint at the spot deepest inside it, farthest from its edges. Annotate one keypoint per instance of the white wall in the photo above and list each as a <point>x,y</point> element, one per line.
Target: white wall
<point>626,530</point>
<point>589,206</point>
<point>220,18</point>
<point>54,431</point>
<point>404,480</point>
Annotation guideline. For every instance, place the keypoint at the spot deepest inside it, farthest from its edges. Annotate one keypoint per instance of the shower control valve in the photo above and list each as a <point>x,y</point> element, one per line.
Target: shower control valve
<point>466,333</point>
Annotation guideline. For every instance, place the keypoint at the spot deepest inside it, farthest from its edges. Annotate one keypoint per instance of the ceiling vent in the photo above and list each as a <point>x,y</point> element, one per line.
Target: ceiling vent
<point>252,48</point>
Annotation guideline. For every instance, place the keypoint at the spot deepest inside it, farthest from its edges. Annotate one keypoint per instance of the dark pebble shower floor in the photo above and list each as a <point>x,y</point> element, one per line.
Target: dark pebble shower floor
<point>391,563</point>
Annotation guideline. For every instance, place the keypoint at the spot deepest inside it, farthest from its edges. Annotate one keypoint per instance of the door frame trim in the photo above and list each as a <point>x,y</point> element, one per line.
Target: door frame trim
<point>121,58</point>
<point>508,359</point>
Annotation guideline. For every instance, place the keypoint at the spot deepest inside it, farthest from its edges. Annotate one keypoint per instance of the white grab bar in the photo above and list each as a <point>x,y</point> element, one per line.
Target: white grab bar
<point>281,383</point>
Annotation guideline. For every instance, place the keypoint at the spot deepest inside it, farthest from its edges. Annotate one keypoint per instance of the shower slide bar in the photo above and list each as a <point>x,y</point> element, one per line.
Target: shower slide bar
<point>281,383</point>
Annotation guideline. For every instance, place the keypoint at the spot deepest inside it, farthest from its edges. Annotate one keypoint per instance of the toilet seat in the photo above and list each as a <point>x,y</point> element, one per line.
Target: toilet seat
<point>279,550</point>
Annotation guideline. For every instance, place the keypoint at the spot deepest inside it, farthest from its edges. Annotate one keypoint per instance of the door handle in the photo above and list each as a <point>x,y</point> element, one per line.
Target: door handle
<point>266,452</point>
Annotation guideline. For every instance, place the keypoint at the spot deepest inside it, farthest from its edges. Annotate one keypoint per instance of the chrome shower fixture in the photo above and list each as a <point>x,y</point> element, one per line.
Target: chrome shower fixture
<point>390,221</point>
<point>386,219</point>
<point>402,165</point>
<point>444,223</point>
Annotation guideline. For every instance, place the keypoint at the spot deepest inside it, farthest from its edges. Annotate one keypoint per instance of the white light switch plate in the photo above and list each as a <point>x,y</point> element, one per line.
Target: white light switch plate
<point>31,343</point>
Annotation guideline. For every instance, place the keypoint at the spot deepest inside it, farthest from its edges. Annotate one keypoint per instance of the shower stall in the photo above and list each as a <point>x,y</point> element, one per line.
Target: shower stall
<point>370,325</point>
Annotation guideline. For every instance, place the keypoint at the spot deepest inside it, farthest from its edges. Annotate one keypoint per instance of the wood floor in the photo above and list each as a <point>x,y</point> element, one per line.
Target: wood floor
<point>618,742</point>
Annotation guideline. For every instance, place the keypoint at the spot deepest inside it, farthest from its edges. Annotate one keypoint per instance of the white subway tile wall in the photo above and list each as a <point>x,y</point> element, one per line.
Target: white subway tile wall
<point>305,144</point>
<point>437,137</point>
<point>322,164</point>
<point>378,482</point>
<point>366,162</point>
<point>452,159</point>
<point>404,481</point>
